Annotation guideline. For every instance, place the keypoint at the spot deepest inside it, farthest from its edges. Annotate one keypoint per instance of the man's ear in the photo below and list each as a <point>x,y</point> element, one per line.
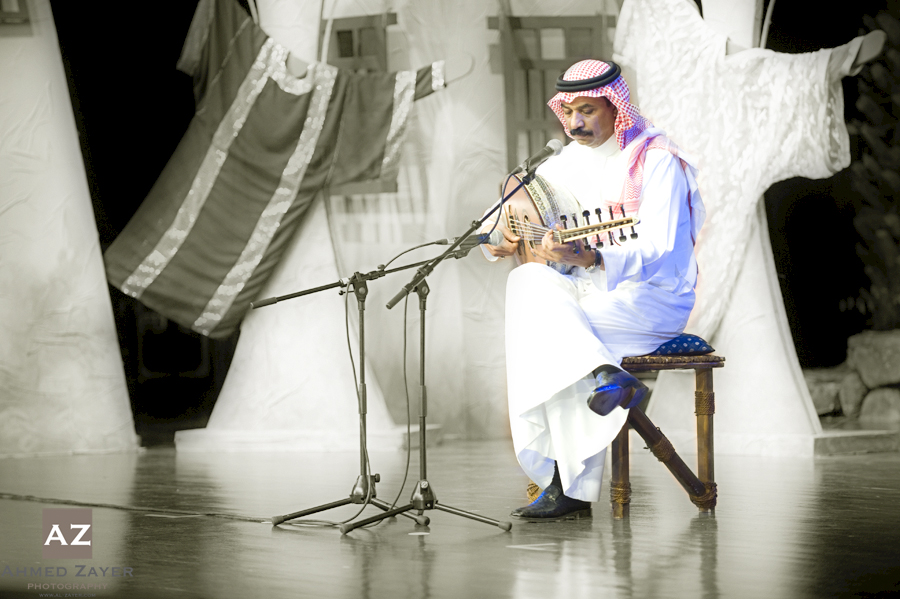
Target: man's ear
<point>613,106</point>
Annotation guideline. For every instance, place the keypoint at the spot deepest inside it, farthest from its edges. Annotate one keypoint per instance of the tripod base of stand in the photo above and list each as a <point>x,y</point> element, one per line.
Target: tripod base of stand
<point>358,495</point>
<point>423,498</point>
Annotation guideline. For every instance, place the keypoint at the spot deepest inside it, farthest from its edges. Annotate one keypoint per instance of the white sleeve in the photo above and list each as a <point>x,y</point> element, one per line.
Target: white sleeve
<point>665,193</point>
<point>486,228</point>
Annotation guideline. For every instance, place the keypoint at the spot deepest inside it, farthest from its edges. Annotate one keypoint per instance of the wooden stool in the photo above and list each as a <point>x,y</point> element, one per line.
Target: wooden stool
<point>701,488</point>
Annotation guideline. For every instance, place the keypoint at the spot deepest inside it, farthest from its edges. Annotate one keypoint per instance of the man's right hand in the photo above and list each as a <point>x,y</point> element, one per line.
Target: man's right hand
<point>509,245</point>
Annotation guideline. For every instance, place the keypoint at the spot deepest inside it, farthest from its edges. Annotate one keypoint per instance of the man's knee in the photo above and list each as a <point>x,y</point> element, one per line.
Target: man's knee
<point>533,273</point>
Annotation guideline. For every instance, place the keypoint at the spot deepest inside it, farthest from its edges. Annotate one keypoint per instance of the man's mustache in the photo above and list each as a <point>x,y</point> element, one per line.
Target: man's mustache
<point>579,131</point>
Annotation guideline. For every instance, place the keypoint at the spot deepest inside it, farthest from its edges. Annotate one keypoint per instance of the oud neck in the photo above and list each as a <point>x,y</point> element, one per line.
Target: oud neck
<point>566,235</point>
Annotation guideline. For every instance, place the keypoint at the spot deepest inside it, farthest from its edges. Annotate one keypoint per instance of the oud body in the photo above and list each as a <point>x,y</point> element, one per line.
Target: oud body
<point>538,206</point>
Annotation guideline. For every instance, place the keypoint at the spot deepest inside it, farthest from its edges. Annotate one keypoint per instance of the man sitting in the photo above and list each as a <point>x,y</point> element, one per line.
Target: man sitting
<point>568,398</point>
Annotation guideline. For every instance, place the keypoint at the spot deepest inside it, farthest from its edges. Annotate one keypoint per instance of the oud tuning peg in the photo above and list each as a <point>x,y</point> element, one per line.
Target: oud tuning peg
<point>633,234</point>
<point>612,216</point>
<point>599,220</point>
<point>575,225</point>
<point>586,215</point>
<point>565,222</point>
<point>622,237</point>
<point>584,242</point>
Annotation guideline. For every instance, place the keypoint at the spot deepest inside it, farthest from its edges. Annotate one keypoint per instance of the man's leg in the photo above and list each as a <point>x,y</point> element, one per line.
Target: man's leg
<point>553,505</point>
<point>615,388</point>
<point>629,322</point>
<point>551,352</point>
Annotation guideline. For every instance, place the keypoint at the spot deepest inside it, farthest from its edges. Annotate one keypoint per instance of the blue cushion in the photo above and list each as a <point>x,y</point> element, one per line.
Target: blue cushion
<point>683,345</point>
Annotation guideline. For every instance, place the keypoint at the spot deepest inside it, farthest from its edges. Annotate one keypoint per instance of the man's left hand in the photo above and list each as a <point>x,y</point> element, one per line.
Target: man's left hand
<point>564,253</point>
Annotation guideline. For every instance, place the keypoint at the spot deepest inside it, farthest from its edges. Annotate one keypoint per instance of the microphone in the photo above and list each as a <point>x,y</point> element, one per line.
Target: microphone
<point>495,238</point>
<point>553,147</point>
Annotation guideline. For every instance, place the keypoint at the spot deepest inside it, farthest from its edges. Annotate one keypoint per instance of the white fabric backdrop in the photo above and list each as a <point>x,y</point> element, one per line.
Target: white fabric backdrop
<point>452,167</point>
<point>753,118</point>
<point>62,385</point>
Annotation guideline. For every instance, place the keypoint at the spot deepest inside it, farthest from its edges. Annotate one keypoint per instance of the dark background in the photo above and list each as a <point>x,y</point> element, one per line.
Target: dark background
<point>811,221</point>
<point>132,107</point>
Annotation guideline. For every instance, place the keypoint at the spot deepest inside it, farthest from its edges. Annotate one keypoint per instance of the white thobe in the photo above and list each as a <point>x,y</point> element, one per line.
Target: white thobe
<point>559,328</point>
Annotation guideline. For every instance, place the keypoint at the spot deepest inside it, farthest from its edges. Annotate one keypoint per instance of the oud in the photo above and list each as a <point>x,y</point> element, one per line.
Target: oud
<point>538,206</point>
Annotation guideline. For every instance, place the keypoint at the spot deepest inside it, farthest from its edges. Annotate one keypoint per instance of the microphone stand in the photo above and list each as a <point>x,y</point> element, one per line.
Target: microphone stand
<point>423,497</point>
<point>364,488</point>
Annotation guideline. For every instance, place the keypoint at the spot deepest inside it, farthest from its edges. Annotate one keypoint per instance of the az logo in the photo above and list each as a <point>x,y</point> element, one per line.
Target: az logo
<point>68,533</point>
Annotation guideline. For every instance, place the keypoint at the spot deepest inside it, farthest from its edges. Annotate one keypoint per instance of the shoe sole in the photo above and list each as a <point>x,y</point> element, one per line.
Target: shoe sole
<point>577,515</point>
<point>608,403</point>
<point>604,408</point>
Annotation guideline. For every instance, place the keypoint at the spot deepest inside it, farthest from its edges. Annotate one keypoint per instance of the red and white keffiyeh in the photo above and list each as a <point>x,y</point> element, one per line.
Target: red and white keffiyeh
<point>628,126</point>
<point>629,122</point>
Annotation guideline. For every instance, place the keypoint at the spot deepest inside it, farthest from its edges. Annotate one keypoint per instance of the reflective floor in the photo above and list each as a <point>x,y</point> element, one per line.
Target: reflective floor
<point>194,526</point>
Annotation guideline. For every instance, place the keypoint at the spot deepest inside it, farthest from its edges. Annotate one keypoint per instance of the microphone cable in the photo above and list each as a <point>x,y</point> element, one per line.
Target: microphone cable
<point>365,449</point>
<point>415,247</point>
<point>500,208</point>
<point>408,410</point>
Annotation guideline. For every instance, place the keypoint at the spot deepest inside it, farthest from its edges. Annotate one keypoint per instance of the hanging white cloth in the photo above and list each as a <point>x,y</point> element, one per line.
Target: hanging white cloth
<point>753,118</point>
<point>63,385</point>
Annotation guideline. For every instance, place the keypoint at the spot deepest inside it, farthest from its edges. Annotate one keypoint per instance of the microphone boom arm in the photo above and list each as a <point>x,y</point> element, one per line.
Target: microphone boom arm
<point>426,269</point>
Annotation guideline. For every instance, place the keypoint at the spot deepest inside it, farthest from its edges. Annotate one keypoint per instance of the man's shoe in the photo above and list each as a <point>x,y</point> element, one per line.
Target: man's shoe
<point>553,506</point>
<point>616,388</point>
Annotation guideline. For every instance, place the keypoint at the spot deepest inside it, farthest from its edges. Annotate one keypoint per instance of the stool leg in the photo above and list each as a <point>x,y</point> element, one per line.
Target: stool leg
<point>660,446</point>
<point>620,481</point>
<point>705,407</point>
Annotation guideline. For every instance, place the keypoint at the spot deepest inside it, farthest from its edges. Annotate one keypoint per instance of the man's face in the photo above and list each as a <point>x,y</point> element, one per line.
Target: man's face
<point>591,121</point>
